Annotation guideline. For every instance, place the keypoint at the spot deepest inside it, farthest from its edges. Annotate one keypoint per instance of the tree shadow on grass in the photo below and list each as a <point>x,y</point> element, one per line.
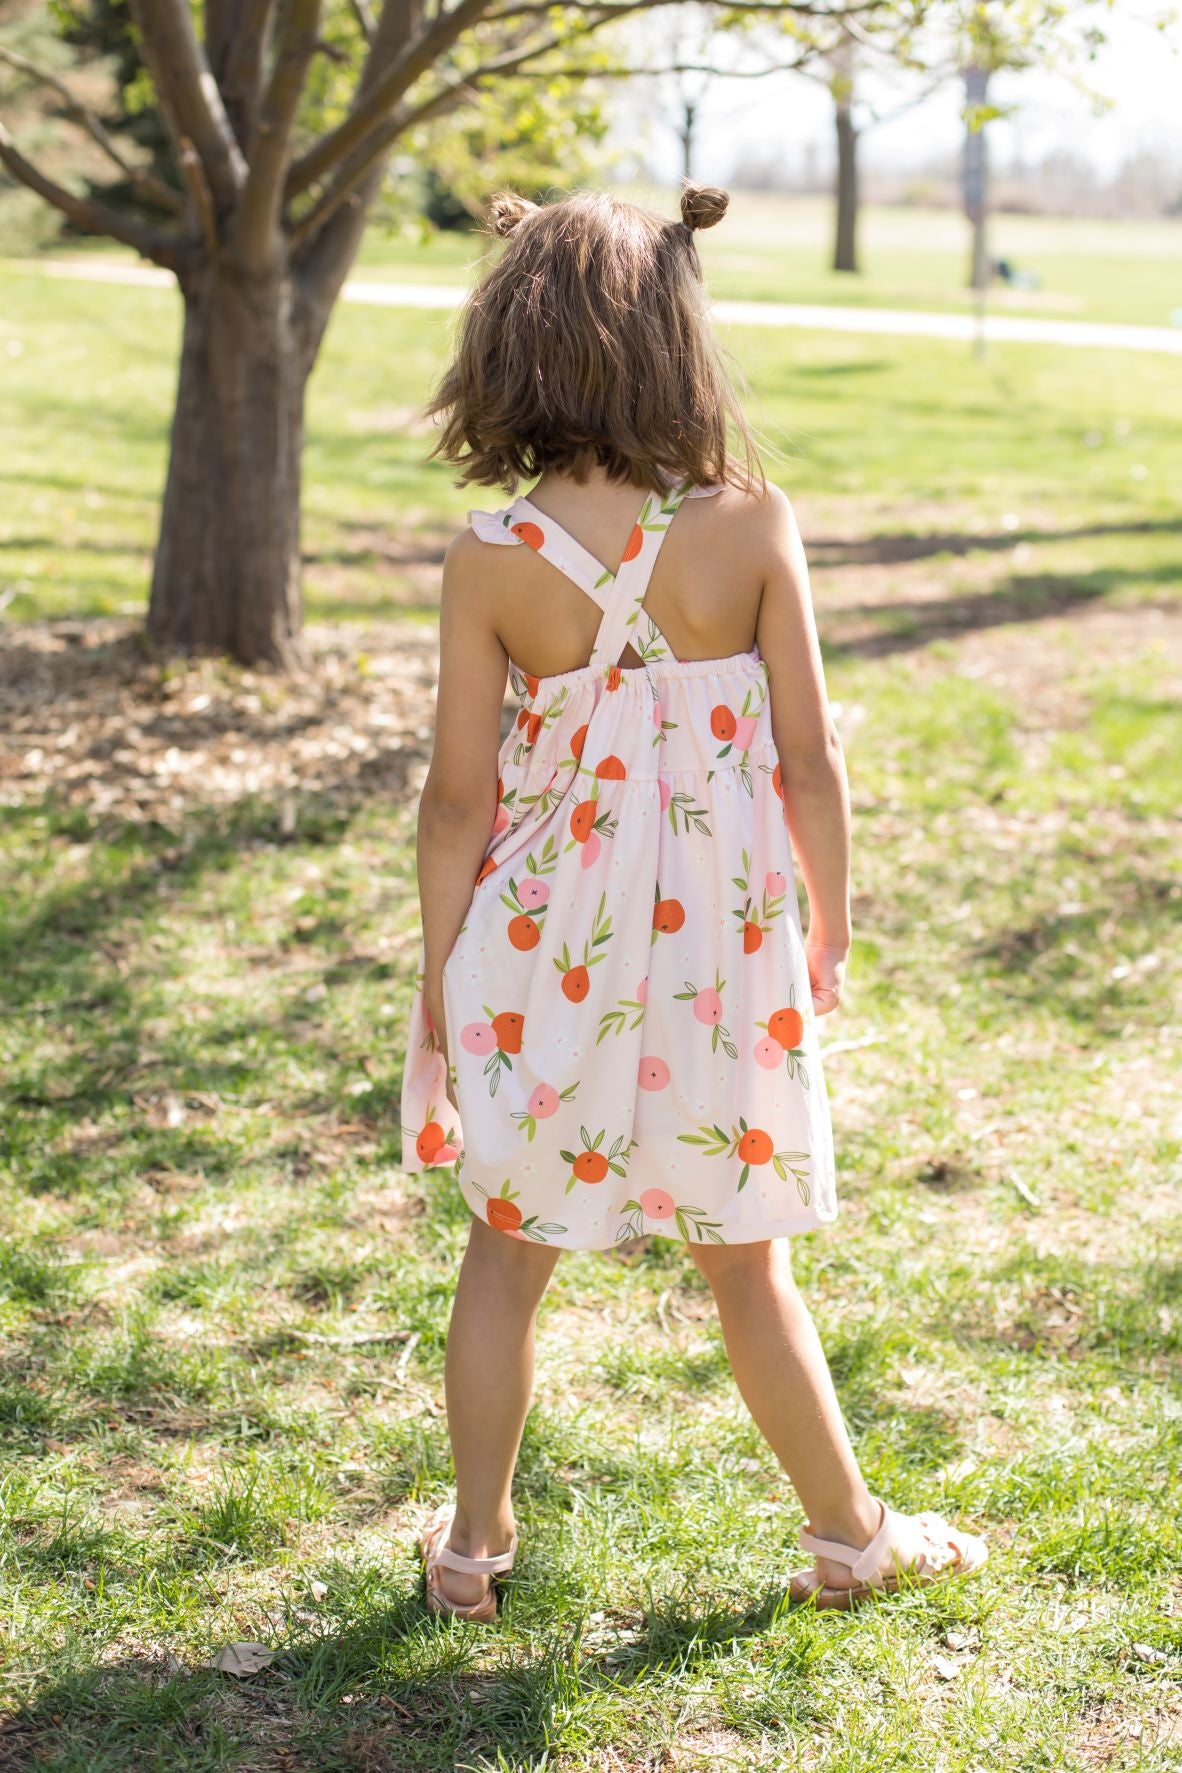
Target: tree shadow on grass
<point>888,548</point>
<point>394,1690</point>
<point>901,625</point>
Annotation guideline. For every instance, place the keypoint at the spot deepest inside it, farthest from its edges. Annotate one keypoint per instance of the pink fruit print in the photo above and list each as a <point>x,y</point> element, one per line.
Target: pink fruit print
<point>756,917</point>
<point>642,991</point>
<point>707,1002</point>
<point>525,923</point>
<point>708,1006</point>
<point>653,1073</point>
<point>592,850</point>
<point>502,821</point>
<point>659,1204</point>
<point>591,1164</point>
<point>576,975</point>
<point>664,792</point>
<point>503,1213</point>
<point>785,1035</point>
<point>775,884</point>
<point>753,1148</point>
<point>543,1105</point>
<point>499,1037</point>
<point>769,1053</point>
<point>737,731</point>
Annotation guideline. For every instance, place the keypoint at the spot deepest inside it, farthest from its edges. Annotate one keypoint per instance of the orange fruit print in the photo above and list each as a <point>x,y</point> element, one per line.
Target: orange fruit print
<point>723,723</point>
<point>787,1026</point>
<point>503,1215</point>
<point>429,1141</point>
<point>577,740</point>
<point>508,1028</point>
<point>668,916</point>
<point>576,984</point>
<point>582,820</point>
<point>752,938</point>
<point>529,533</point>
<point>635,544</point>
<point>755,1147</point>
<point>611,769</point>
<point>486,869</point>
<point>590,1166</point>
<point>524,933</point>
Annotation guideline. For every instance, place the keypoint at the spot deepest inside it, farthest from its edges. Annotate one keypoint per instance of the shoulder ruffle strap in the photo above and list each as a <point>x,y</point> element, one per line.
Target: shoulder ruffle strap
<point>493,526</point>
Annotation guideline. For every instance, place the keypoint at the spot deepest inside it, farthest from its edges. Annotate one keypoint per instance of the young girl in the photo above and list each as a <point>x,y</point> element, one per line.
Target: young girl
<point>624,1009</point>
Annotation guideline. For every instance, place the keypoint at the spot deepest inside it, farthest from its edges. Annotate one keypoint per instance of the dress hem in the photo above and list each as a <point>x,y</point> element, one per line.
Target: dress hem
<point>794,1226</point>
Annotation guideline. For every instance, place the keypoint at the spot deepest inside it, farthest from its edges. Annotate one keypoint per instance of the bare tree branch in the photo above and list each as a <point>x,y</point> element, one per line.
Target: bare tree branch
<point>92,217</point>
<point>256,225</point>
<point>606,10</point>
<point>236,34</point>
<point>365,19</point>
<point>372,107</point>
<point>145,182</point>
<point>199,191</point>
<point>189,94</point>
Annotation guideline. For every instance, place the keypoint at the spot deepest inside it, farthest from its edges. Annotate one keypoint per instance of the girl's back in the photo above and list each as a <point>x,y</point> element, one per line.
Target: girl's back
<point>704,593</point>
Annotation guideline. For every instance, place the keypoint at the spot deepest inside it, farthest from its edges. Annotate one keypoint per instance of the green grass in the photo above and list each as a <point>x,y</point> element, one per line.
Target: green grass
<point>202,1219</point>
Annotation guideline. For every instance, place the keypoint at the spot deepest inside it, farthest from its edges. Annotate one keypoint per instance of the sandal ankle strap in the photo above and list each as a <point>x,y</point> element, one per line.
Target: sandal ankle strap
<point>454,1560</point>
<point>864,1563</point>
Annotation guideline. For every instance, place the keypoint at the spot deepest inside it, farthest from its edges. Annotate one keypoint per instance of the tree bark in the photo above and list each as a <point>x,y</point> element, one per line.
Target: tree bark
<point>845,246</point>
<point>227,570</point>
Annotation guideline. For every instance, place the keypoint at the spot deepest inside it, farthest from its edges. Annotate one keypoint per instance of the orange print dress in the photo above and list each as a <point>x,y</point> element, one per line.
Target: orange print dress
<point>629,1017</point>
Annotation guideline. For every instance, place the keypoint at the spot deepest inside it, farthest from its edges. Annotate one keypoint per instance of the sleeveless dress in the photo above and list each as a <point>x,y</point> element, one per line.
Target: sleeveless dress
<point>629,1016</point>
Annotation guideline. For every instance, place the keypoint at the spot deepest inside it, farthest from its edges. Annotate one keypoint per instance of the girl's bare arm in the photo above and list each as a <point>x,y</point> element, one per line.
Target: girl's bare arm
<point>460,794</point>
<point>812,764</point>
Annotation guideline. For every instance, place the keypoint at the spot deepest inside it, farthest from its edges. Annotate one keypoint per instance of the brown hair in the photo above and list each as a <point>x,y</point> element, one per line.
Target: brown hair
<point>589,341</point>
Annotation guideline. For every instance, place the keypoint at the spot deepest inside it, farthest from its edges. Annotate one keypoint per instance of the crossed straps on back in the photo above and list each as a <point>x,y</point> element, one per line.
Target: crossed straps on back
<point>620,595</point>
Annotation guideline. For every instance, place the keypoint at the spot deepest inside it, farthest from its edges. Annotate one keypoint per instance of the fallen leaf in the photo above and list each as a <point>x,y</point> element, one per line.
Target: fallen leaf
<point>1148,1653</point>
<point>319,1589</point>
<point>243,1659</point>
<point>945,1668</point>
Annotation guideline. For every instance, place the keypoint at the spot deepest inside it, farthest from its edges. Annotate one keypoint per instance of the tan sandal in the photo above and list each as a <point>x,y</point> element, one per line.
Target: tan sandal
<point>907,1550</point>
<point>437,1554</point>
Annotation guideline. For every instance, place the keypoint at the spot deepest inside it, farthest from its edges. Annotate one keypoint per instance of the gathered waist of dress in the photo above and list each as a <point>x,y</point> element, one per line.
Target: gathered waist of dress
<point>634,677</point>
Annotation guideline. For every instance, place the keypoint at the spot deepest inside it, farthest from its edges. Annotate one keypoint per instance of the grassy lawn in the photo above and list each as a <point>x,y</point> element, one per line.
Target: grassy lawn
<point>223,1308</point>
<point>776,249</point>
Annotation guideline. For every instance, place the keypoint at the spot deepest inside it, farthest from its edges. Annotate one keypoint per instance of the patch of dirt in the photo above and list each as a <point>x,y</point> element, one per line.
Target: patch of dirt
<point>89,712</point>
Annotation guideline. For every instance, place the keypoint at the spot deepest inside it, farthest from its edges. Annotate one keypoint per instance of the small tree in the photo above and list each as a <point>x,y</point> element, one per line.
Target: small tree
<point>272,213</point>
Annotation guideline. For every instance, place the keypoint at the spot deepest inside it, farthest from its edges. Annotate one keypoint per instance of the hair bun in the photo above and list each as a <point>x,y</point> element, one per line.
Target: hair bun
<point>507,210</point>
<point>702,206</point>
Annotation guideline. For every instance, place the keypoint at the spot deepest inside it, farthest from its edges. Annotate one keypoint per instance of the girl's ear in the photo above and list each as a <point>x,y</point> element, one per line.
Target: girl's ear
<point>508,210</point>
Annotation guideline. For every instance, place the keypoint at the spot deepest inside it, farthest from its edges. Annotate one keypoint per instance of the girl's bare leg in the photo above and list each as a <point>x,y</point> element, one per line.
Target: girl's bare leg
<point>781,1371</point>
<point>489,1377</point>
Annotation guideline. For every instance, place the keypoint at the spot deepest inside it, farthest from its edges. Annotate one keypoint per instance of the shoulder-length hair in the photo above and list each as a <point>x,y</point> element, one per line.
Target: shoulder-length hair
<point>589,342</point>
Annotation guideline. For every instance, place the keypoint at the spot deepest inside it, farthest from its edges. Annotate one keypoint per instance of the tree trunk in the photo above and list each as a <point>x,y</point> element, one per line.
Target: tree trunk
<point>845,246</point>
<point>227,571</point>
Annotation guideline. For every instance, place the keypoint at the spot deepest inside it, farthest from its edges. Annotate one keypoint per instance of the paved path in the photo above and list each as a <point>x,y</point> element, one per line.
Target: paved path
<point>999,328</point>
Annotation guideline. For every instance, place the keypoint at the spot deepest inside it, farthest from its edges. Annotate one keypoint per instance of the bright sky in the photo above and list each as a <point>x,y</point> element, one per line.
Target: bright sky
<point>1140,71</point>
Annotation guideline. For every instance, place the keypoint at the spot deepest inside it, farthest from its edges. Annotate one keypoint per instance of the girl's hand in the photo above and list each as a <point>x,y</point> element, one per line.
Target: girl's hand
<point>826,965</point>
